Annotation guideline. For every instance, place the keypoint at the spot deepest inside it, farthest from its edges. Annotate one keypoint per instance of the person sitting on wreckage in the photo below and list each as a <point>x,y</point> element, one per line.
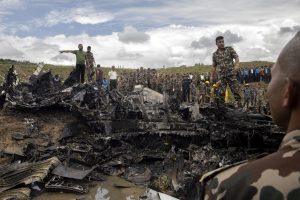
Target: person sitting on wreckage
<point>276,176</point>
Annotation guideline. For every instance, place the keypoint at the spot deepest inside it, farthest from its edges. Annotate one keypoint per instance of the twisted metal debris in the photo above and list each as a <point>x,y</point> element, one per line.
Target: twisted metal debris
<point>138,136</point>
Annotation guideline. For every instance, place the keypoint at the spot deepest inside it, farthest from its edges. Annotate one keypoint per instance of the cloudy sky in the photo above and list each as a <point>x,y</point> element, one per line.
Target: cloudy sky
<point>148,33</point>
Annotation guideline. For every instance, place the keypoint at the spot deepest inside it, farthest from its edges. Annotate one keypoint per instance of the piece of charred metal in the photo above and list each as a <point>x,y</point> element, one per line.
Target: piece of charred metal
<point>11,79</point>
<point>57,183</point>
<point>69,172</point>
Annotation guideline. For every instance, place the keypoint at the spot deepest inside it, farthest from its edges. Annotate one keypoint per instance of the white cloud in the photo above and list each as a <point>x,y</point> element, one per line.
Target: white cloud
<point>8,4</point>
<point>124,54</point>
<point>8,51</point>
<point>84,15</point>
<point>169,46</point>
<point>130,34</point>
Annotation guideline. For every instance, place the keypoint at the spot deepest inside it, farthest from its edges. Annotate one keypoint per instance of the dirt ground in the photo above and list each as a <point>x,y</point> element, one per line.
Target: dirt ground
<point>49,128</point>
<point>40,128</point>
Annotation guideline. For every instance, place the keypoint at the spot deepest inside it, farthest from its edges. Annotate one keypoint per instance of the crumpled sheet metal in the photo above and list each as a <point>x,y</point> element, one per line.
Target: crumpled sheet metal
<point>16,194</point>
<point>14,174</point>
<point>68,172</point>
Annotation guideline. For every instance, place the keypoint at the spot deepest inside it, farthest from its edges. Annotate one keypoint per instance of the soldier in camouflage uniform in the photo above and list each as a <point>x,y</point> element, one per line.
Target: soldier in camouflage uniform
<point>261,96</point>
<point>276,176</point>
<point>253,94</point>
<point>90,64</point>
<point>247,96</point>
<point>223,63</point>
<point>202,93</point>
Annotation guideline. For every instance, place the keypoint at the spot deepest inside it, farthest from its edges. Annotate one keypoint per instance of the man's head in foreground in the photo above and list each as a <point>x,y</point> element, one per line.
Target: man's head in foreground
<point>220,42</point>
<point>284,89</point>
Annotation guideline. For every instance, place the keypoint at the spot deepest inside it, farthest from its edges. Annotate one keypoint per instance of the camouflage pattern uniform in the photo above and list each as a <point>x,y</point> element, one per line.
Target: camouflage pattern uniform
<point>247,97</point>
<point>276,176</point>
<point>193,90</point>
<point>131,82</point>
<point>253,96</point>
<point>223,60</point>
<point>202,92</point>
<point>207,93</point>
<point>90,65</point>
<point>260,99</point>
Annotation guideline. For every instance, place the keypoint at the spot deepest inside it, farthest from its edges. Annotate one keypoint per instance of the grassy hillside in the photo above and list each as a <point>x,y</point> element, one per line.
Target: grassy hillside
<point>25,68</point>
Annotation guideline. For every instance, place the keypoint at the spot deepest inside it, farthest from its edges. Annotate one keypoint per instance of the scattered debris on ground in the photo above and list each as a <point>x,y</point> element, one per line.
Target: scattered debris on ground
<point>63,137</point>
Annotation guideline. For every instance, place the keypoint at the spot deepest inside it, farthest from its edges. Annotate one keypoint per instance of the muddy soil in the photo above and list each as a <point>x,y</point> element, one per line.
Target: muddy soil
<point>112,188</point>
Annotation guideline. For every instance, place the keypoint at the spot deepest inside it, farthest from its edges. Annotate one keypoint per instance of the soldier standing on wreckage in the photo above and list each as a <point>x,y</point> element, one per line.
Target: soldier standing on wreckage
<point>90,64</point>
<point>80,62</point>
<point>276,176</point>
<point>223,61</point>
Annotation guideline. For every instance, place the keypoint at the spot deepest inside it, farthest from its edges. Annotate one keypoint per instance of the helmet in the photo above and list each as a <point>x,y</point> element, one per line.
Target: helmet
<point>207,82</point>
<point>214,85</point>
<point>246,84</point>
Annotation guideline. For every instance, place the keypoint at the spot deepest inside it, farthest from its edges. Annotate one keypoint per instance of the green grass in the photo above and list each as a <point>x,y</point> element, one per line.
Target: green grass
<point>25,68</point>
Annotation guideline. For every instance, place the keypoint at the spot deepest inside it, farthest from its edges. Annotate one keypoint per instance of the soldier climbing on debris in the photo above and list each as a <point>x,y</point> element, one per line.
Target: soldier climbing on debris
<point>223,62</point>
<point>80,62</point>
<point>247,96</point>
<point>277,175</point>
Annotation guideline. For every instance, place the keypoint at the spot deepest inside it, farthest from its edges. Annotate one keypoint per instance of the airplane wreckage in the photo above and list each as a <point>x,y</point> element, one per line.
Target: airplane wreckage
<point>165,146</point>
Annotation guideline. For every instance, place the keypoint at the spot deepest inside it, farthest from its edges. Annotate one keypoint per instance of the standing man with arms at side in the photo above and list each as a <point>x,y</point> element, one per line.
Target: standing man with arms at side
<point>223,62</point>
<point>80,62</point>
<point>113,77</point>
<point>99,75</point>
<point>90,64</point>
<point>276,176</point>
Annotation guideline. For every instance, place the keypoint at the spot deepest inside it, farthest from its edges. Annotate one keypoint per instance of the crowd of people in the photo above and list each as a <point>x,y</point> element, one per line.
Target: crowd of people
<point>275,176</point>
<point>254,74</point>
<point>182,87</point>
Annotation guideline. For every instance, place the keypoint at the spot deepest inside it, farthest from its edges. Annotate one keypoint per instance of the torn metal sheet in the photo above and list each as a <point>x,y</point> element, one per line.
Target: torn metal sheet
<point>14,174</point>
<point>38,69</point>
<point>69,172</point>
<point>16,194</point>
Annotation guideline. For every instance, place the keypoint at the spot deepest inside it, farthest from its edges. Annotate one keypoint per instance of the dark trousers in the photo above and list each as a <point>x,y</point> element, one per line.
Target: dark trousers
<point>185,93</point>
<point>80,69</point>
<point>112,84</point>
